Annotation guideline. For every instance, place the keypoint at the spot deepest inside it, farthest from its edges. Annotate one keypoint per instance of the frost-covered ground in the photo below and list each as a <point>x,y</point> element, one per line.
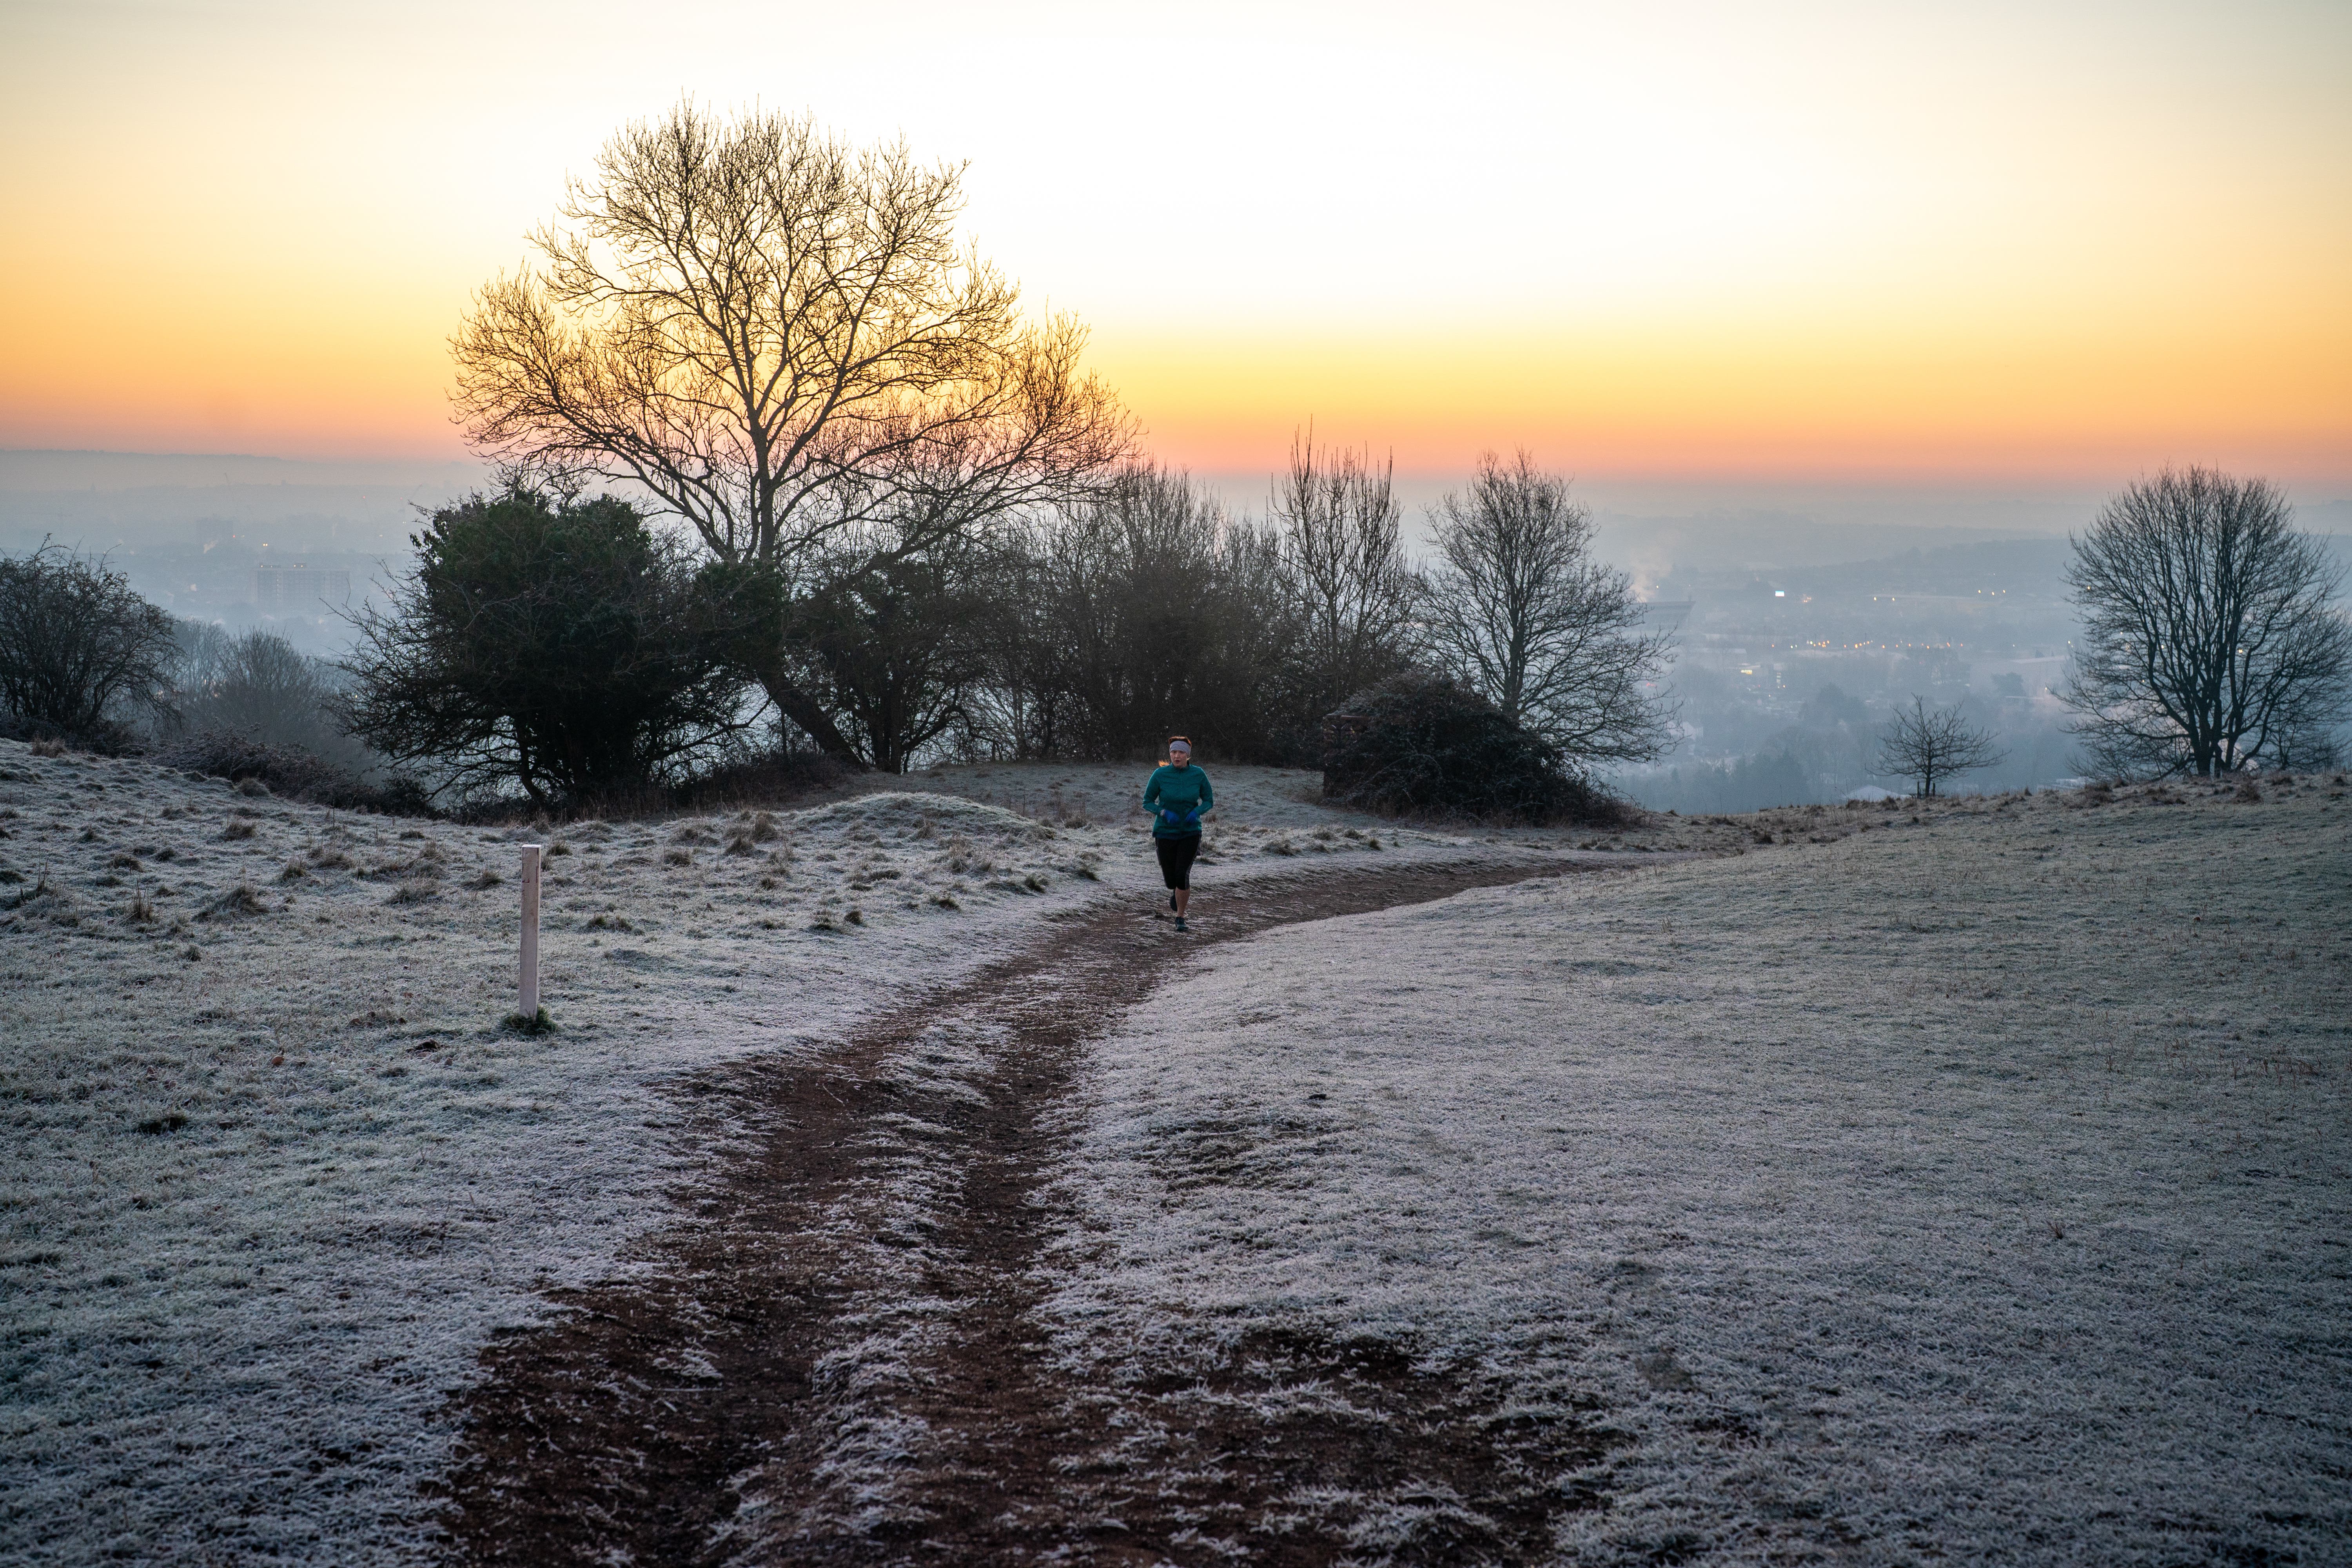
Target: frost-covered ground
<point>1974,1185</point>
<point>1975,1188</point>
<point>1274,802</point>
<point>272,1174</point>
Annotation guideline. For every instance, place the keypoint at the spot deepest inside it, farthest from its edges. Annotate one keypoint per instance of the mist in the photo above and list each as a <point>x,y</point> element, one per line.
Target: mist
<point>191,532</point>
<point>1801,616</point>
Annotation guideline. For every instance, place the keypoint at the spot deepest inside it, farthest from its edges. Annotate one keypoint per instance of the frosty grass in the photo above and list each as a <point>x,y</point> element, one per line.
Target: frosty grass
<point>1944,1188</point>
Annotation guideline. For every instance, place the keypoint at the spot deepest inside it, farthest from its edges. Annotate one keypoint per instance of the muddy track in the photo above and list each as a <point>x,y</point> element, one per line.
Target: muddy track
<point>711,1408</point>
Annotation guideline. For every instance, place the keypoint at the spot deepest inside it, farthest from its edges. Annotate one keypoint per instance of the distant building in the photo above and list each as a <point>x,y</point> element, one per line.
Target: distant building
<point>298,589</point>
<point>1664,615</point>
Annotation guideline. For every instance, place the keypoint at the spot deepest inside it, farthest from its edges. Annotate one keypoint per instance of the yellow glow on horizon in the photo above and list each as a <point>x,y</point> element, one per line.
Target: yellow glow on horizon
<point>1829,237</point>
<point>1652,404</point>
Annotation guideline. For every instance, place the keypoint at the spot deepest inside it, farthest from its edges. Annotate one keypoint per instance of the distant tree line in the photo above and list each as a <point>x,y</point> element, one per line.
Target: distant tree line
<point>562,647</point>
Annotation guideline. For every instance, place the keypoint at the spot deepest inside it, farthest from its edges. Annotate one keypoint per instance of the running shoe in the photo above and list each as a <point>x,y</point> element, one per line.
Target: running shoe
<point>1179,922</point>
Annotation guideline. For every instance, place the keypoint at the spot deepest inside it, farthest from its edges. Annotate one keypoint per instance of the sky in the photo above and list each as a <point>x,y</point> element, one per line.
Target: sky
<point>2042,247</point>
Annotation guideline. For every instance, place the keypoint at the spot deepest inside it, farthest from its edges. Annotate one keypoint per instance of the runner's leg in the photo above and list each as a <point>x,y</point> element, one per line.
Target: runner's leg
<point>1186,848</point>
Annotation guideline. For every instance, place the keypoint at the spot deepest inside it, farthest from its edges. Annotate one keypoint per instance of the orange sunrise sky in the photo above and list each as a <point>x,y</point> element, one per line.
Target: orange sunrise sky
<point>1884,242</point>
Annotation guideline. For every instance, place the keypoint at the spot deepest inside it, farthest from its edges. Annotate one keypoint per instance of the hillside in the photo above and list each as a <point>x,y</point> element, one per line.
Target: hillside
<point>1919,1179</point>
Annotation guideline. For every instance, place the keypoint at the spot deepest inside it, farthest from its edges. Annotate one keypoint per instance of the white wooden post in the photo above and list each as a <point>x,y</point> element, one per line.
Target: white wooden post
<point>529,999</point>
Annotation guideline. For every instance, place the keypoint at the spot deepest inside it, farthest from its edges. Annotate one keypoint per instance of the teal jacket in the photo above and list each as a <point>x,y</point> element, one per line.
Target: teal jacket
<point>1178,798</point>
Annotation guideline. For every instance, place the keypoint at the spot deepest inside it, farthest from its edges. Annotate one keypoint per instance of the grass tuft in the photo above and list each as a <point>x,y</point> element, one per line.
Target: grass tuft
<point>538,1023</point>
<point>235,904</point>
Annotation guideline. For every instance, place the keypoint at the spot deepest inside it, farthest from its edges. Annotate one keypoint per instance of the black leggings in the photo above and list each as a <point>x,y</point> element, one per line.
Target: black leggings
<point>1176,858</point>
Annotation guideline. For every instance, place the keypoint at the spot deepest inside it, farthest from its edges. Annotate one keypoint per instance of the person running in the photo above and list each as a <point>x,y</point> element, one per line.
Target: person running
<point>1178,797</point>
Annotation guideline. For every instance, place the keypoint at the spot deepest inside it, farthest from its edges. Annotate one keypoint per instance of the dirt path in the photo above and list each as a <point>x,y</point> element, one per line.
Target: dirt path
<point>838,1356</point>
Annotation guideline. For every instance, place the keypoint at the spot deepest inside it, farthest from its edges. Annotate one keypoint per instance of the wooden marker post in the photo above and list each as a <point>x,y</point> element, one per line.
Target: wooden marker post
<point>529,1006</point>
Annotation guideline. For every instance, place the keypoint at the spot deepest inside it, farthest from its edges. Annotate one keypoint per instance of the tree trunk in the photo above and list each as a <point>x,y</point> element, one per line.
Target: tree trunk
<point>804,711</point>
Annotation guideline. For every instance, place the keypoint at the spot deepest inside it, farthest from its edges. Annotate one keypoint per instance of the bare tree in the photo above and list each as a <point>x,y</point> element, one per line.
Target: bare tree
<point>77,643</point>
<point>1930,748</point>
<point>775,334</point>
<point>2210,640</point>
<point>1343,558</point>
<point>1517,608</point>
<point>257,685</point>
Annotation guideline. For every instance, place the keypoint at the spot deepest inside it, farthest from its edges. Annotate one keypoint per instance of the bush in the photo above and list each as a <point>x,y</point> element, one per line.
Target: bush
<point>741,779</point>
<point>76,644</point>
<point>1422,743</point>
<point>291,774</point>
<point>763,778</point>
<point>559,646</point>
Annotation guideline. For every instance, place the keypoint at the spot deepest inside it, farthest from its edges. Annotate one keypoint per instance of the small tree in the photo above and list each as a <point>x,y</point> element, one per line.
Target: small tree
<point>561,647</point>
<point>76,642</point>
<point>1518,610</point>
<point>1930,748</point>
<point>2210,641</point>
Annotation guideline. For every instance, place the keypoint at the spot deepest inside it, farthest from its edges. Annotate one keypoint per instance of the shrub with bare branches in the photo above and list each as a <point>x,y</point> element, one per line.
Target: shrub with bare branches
<point>77,646</point>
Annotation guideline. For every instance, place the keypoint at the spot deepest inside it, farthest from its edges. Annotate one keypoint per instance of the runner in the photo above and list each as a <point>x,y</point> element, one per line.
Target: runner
<point>1178,797</point>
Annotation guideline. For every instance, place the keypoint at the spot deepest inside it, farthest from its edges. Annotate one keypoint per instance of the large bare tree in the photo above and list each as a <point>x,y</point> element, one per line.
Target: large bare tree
<point>1343,559</point>
<point>2210,638</point>
<point>1516,607</point>
<point>777,336</point>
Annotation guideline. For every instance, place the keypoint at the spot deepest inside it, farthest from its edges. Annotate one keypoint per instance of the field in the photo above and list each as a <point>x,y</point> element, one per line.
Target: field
<point>1843,1185</point>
